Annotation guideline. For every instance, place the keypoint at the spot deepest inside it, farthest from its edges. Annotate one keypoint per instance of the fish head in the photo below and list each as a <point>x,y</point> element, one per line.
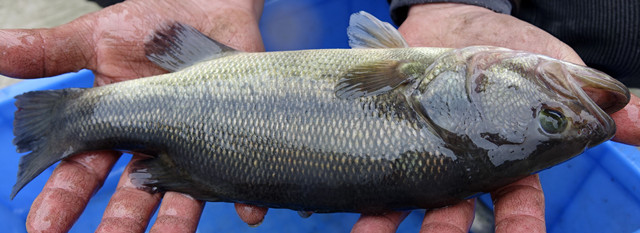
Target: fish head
<point>515,108</point>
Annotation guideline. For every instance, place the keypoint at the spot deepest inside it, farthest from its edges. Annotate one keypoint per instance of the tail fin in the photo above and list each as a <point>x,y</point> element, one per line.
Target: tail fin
<point>35,127</point>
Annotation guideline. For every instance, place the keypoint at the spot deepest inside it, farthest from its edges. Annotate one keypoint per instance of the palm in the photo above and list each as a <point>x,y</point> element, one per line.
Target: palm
<point>120,31</point>
<point>110,42</point>
<point>478,26</point>
<point>116,40</point>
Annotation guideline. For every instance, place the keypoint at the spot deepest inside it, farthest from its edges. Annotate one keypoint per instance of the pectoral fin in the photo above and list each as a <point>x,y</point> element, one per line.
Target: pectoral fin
<point>175,46</point>
<point>366,31</point>
<point>377,78</point>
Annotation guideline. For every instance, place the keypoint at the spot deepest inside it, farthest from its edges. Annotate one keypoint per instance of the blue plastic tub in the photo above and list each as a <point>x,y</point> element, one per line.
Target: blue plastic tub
<point>595,192</point>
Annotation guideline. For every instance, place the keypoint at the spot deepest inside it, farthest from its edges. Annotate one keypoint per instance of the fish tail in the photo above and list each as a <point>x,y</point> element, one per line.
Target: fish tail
<point>35,127</point>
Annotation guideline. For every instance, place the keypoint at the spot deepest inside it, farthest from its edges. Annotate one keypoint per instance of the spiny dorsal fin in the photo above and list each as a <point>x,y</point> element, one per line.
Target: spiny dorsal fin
<point>366,31</point>
<point>376,78</point>
<point>175,46</point>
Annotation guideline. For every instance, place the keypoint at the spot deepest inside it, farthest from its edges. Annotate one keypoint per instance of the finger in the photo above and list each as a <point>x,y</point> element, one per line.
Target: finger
<point>178,213</point>
<point>388,222</point>
<point>455,218</point>
<point>519,207</point>
<point>628,123</point>
<point>38,53</point>
<point>130,208</point>
<point>250,214</point>
<point>68,190</point>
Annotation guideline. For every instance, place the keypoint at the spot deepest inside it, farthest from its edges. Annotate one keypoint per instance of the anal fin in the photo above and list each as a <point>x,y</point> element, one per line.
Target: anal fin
<point>156,175</point>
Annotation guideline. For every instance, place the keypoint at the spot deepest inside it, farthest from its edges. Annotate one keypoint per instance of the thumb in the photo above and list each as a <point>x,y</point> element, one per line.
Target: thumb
<point>628,123</point>
<point>34,53</point>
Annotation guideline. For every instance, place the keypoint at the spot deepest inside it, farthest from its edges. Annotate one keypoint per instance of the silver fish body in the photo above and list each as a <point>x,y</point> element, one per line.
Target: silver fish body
<point>359,130</point>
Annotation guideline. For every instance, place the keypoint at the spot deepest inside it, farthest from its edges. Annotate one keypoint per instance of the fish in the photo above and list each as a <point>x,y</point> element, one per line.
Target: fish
<point>378,127</point>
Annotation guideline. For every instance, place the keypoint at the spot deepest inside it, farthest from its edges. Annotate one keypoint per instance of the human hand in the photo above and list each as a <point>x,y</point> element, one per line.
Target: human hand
<point>519,207</point>
<point>110,42</point>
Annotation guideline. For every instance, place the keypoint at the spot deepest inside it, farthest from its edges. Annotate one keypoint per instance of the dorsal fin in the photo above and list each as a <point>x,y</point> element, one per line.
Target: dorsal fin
<point>366,31</point>
<point>175,46</point>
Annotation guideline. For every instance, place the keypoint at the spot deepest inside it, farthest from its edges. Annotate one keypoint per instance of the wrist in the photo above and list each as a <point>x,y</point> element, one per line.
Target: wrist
<point>249,7</point>
<point>458,25</point>
<point>444,20</point>
<point>498,6</point>
<point>252,6</point>
<point>440,11</point>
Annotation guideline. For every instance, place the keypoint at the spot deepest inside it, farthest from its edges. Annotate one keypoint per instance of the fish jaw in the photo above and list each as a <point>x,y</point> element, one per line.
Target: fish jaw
<point>608,93</point>
<point>593,90</point>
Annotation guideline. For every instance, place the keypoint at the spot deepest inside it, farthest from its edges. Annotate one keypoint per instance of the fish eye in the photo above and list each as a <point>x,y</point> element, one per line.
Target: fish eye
<point>552,121</point>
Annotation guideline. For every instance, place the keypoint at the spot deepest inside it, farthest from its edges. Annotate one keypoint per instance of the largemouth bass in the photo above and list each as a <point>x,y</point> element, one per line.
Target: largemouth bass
<point>377,128</point>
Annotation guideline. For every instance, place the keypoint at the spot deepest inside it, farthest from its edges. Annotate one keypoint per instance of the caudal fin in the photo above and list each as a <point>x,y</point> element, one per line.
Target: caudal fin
<point>35,128</point>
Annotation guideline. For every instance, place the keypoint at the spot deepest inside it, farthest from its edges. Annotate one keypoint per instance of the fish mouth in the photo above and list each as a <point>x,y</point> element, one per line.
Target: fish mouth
<point>598,92</point>
<point>608,93</point>
<point>599,89</point>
